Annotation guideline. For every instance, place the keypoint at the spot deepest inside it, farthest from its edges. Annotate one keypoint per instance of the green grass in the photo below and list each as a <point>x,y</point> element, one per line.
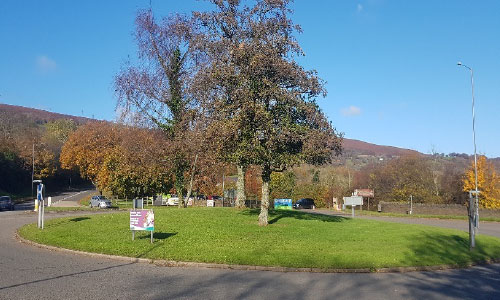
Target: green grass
<point>293,239</point>
<point>444,217</point>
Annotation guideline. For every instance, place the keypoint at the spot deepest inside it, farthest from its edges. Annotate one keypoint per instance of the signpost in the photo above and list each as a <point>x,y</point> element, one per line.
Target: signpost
<point>353,201</point>
<point>141,219</point>
<point>283,204</point>
<point>365,193</point>
<point>473,219</point>
<point>39,201</point>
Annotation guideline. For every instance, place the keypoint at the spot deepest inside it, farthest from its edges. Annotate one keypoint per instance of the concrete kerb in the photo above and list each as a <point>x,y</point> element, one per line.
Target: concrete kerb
<point>184,264</point>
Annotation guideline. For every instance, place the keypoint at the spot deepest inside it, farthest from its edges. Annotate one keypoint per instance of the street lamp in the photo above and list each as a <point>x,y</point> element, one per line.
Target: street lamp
<point>476,192</point>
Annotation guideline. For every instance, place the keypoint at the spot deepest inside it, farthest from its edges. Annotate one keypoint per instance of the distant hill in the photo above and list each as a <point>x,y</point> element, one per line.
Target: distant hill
<point>38,115</point>
<point>351,147</point>
<point>363,148</point>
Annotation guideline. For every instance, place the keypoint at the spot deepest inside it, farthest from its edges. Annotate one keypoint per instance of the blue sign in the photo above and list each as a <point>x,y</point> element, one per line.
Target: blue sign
<point>285,204</point>
<point>39,190</point>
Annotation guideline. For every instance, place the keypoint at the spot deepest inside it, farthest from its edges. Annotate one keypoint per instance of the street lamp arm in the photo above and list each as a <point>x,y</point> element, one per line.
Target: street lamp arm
<point>463,65</point>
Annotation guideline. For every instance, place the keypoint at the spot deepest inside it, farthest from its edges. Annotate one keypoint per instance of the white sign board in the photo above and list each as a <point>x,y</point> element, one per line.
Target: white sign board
<point>210,203</point>
<point>142,220</point>
<point>353,200</point>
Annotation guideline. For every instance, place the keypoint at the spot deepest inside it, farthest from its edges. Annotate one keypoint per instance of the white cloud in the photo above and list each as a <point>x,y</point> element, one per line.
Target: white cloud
<point>359,7</point>
<point>351,111</point>
<point>45,64</point>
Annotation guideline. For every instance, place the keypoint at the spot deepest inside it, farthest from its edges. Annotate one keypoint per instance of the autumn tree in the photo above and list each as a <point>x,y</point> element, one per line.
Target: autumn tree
<point>282,184</point>
<point>264,100</point>
<point>488,182</point>
<point>222,37</point>
<point>404,177</point>
<point>88,148</point>
<point>451,183</point>
<point>124,160</point>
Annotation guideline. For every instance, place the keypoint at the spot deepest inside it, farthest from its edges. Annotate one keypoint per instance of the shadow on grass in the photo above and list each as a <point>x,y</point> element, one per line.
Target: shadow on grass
<point>451,249</point>
<point>79,219</point>
<point>158,235</point>
<point>276,215</point>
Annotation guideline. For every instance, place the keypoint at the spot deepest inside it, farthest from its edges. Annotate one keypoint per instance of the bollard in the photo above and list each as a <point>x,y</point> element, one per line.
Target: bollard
<point>36,205</point>
<point>49,202</point>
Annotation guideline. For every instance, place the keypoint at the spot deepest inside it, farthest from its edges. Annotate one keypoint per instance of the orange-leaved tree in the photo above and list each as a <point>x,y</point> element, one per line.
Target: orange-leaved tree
<point>488,182</point>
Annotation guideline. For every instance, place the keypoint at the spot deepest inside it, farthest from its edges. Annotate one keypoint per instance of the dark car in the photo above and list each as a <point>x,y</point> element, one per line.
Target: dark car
<point>305,203</point>
<point>6,203</point>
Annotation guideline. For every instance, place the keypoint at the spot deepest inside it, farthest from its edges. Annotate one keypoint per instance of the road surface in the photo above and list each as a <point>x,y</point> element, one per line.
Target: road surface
<point>61,199</point>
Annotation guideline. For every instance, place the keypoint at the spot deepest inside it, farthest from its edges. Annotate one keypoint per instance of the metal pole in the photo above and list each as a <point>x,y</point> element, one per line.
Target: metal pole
<point>476,204</point>
<point>411,204</point>
<point>223,179</point>
<point>352,207</point>
<point>39,215</point>
<point>33,170</point>
<point>472,233</point>
<point>43,210</point>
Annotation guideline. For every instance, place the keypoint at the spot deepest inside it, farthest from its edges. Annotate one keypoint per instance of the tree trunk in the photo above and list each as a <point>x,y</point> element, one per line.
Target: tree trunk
<point>264,203</point>
<point>190,189</point>
<point>180,196</point>
<point>240,186</point>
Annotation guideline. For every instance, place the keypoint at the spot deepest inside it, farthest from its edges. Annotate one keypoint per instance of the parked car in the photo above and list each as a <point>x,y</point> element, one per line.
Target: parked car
<point>305,203</point>
<point>100,201</point>
<point>6,203</point>
<point>173,200</point>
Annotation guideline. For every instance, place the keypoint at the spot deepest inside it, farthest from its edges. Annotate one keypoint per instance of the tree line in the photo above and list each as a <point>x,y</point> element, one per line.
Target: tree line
<point>31,146</point>
<point>428,179</point>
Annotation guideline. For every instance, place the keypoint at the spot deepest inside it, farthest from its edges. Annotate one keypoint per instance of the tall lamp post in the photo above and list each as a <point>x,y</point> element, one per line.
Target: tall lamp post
<point>476,192</point>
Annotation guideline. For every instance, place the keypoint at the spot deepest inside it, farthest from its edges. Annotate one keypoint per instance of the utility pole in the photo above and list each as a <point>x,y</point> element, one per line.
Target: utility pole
<point>33,170</point>
<point>223,179</point>
<point>473,208</point>
<point>472,221</point>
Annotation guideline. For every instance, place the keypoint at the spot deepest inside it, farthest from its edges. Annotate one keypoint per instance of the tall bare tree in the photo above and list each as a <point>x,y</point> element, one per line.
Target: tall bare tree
<point>157,89</point>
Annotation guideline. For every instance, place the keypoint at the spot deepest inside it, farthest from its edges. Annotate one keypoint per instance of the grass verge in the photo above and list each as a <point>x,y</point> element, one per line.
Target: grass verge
<point>293,239</point>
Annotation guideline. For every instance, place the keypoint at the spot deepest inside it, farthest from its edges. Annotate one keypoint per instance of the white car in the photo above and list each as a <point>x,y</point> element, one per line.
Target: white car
<point>100,201</point>
<point>173,201</point>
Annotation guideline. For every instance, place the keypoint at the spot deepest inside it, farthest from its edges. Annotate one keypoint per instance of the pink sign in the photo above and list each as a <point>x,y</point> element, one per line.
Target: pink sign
<point>142,219</point>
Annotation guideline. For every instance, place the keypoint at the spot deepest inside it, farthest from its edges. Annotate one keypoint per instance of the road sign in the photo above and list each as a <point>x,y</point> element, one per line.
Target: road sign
<point>41,208</point>
<point>39,190</point>
<point>353,200</point>
<point>368,193</point>
<point>285,204</point>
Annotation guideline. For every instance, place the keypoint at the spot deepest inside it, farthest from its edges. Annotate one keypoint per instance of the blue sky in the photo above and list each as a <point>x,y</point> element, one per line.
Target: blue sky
<point>390,66</point>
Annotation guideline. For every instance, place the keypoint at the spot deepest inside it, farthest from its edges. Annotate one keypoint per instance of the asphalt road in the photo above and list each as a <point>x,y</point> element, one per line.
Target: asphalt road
<point>61,199</point>
<point>27,272</point>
